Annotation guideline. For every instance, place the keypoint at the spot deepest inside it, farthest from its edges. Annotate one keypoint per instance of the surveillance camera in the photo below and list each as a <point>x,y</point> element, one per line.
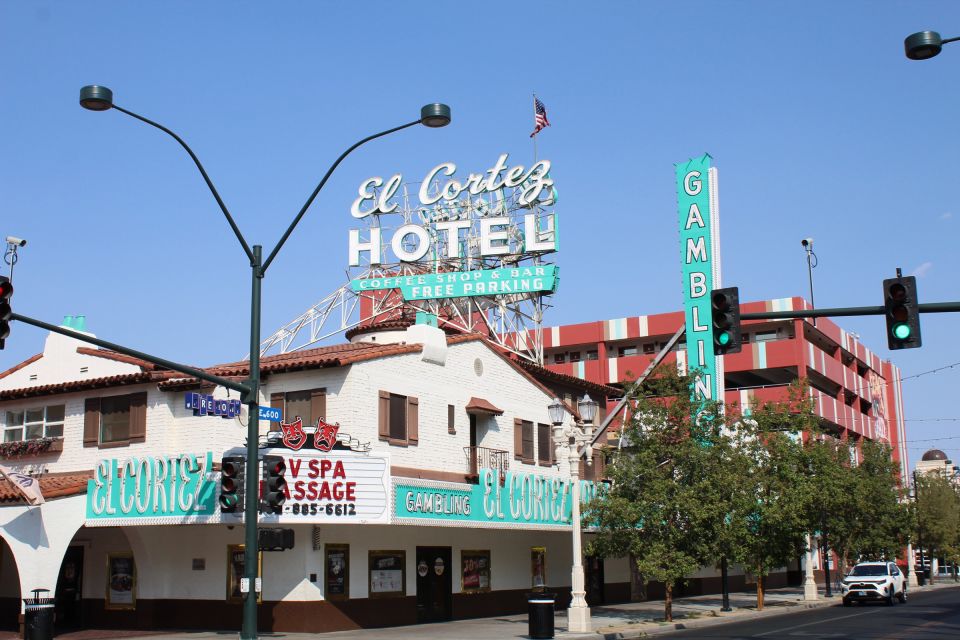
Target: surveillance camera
<point>806,241</point>
<point>17,241</point>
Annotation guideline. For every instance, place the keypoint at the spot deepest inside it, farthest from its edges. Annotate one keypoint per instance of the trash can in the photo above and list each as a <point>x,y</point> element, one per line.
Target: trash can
<point>921,578</point>
<point>38,616</point>
<point>540,614</point>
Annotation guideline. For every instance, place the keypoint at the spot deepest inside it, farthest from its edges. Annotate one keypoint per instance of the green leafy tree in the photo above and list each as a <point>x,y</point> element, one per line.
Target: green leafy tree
<point>880,519</point>
<point>938,515</point>
<point>831,487</point>
<point>769,515</point>
<point>669,494</point>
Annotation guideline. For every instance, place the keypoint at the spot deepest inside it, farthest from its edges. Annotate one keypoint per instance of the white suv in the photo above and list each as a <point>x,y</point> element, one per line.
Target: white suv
<point>874,581</point>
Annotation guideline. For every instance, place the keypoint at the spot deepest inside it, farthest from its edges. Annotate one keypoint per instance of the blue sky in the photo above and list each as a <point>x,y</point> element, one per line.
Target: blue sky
<point>818,123</point>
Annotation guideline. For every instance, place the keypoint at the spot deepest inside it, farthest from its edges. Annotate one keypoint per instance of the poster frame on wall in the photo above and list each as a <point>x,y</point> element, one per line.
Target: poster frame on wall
<point>121,587</point>
<point>333,552</point>
<point>538,568</point>
<point>475,571</point>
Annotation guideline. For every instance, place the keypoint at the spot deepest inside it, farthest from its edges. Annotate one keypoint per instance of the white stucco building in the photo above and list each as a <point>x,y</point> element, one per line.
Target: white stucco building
<point>440,498</point>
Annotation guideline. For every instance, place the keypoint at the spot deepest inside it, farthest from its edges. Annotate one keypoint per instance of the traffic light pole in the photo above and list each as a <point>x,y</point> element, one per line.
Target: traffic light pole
<point>928,307</point>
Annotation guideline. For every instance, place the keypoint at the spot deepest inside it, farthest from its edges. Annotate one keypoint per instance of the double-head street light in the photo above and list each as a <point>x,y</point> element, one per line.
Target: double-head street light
<point>99,98</point>
<point>576,440</point>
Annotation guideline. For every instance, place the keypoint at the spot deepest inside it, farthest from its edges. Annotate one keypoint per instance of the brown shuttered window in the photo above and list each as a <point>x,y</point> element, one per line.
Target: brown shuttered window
<point>544,444</point>
<point>413,420</point>
<point>138,417</point>
<point>113,421</point>
<point>398,419</point>
<point>517,439</point>
<point>91,422</point>
<point>309,404</point>
<point>527,442</point>
<point>451,419</point>
<point>318,404</point>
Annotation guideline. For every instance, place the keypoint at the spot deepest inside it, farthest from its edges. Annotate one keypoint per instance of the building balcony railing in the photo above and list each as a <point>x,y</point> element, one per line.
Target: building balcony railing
<point>486,458</point>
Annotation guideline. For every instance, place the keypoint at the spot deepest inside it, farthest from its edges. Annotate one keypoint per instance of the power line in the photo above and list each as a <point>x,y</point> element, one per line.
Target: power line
<point>923,373</point>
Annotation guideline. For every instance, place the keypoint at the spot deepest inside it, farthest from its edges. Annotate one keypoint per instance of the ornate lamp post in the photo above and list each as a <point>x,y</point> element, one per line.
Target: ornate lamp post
<point>99,98</point>
<point>571,438</point>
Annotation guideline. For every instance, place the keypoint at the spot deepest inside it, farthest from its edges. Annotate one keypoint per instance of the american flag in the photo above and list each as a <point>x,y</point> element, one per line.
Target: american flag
<point>539,117</point>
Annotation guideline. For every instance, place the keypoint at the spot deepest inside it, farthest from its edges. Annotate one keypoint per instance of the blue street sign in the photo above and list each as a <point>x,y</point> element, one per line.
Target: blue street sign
<point>270,413</point>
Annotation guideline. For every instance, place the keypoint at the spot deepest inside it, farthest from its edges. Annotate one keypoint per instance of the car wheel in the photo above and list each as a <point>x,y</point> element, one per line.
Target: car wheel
<point>847,602</point>
<point>890,599</point>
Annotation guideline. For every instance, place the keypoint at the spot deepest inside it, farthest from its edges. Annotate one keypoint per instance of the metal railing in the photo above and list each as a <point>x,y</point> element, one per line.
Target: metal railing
<point>486,458</point>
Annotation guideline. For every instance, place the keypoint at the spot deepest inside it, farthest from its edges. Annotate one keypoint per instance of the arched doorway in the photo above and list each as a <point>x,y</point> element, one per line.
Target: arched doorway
<point>9,589</point>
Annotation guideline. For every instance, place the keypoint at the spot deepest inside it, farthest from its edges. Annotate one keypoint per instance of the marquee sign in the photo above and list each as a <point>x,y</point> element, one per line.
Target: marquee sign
<point>524,500</point>
<point>152,490</point>
<point>699,252</point>
<point>337,487</point>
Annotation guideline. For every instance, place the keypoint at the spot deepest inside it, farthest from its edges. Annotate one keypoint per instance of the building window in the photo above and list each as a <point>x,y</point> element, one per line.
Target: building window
<point>649,347</point>
<point>41,422</point>
<point>591,355</point>
<point>308,404</point>
<point>387,574</point>
<point>559,358</point>
<point>574,356</point>
<point>115,420</point>
<point>627,351</point>
<point>523,440</point>
<point>398,419</point>
<point>764,336</point>
<point>544,445</point>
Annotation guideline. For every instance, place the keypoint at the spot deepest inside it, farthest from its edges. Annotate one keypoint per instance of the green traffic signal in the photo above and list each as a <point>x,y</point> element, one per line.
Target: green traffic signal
<point>723,338</point>
<point>901,331</point>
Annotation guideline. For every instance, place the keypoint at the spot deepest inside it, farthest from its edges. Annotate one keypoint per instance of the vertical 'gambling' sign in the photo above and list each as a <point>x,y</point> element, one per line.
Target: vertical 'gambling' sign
<point>699,222</point>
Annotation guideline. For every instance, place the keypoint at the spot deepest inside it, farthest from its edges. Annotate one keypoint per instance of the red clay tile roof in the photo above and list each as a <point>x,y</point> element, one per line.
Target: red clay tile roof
<point>83,385</point>
<point>119,357</point>
<point>480,405</point>
<point>602,390</point>
<point>57,485</point>
<point>17,367</point>
<point>386,325</point>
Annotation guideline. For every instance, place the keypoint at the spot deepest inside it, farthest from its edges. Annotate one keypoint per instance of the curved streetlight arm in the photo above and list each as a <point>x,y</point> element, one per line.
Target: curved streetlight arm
<point>203,172</point>
<point>946,40</point>
<point>323,181</point>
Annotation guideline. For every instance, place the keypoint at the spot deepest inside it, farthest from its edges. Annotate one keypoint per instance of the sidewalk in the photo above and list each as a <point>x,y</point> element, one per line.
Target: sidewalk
<point>611,622</point>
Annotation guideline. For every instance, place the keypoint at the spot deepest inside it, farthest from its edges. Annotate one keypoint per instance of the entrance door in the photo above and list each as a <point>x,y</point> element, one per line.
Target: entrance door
<point>593,567</point>
<point>434,584</point>
<point>69,590</point>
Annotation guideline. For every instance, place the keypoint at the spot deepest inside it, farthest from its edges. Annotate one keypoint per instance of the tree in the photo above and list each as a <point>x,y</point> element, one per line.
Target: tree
<point>769,520</point>
<point>669,492</point>
<point>881,521</point>
<point>938,514</point>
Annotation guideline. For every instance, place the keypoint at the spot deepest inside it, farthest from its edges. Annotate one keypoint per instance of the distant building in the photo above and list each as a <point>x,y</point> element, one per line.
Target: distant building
<point>936,461</point>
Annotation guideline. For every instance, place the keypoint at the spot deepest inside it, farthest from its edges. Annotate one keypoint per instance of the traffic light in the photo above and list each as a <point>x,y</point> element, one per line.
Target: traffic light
<point>274,539</point>
<point>274,485</point>
<point>726,320</point>
<point>231,484</point>
<point>6,290</point>
<point>903,314</point>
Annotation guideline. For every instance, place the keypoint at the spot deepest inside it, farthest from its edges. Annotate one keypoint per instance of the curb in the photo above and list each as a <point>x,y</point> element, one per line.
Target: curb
<point>626,632</point>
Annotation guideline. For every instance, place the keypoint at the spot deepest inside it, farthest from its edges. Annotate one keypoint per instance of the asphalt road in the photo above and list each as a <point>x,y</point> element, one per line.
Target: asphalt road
<point>934,615</point>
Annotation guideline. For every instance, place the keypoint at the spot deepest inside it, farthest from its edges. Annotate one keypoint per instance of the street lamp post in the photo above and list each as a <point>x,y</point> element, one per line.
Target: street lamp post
<point>924,45</point>
<point>99,98</point>
<point>571,438</point>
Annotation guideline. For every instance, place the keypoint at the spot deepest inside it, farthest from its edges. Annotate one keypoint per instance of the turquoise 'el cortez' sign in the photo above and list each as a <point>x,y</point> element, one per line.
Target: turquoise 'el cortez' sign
<point>152,490</point>
<point>699,222</point>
